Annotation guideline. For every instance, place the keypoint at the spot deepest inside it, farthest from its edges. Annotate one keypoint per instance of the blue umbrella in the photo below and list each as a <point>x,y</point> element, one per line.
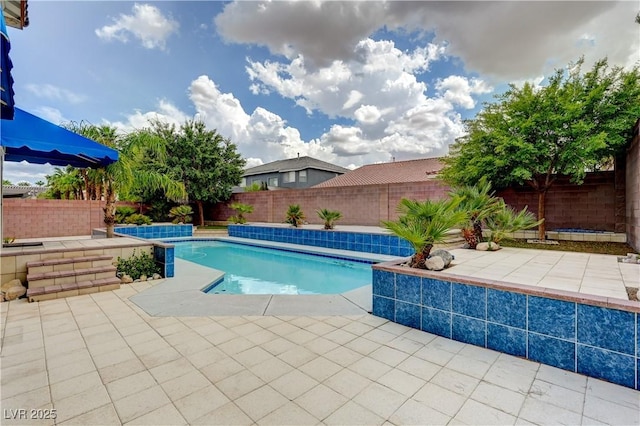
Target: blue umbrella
<point>6,81</point>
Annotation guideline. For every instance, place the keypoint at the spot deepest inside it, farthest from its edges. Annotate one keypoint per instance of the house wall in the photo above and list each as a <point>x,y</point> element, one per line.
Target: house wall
<point>314,177</point>
<point>632,190</point>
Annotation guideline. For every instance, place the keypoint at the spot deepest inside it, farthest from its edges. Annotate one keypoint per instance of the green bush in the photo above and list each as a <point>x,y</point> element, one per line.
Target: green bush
<point>181,214</point>
<point>123,212</point>
<point>138,265</point>
<point>138,219</point>
<point>241,209</point>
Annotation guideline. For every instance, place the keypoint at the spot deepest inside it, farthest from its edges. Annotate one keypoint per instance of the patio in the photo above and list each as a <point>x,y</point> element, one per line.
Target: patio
<point>100,359</point>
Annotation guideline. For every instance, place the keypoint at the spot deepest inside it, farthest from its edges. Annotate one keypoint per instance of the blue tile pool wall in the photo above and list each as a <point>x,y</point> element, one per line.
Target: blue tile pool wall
<point>156,231</point>
<point>595,341</point>
<point>164,255</point>
<point>355,241</point>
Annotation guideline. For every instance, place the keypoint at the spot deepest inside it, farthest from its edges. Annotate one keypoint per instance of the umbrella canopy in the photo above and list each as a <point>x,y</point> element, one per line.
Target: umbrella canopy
<point>32,139</point>
<point>6,81</point>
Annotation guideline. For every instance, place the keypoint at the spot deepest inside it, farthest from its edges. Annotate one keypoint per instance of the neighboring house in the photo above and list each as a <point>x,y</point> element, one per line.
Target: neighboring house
<point>18,191</point>
<point>295,173</point>
<point>421,170</point>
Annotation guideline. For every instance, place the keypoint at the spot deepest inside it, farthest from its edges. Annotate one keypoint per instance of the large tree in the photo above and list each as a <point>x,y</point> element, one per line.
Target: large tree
<point>531,135</point>
<point>205,162</point>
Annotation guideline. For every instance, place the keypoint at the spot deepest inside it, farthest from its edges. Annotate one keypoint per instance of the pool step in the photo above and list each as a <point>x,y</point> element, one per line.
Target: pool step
<point>64,277</point>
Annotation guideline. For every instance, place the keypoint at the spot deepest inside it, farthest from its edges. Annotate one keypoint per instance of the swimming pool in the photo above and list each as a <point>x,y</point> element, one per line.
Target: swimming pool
<point>259,270</point>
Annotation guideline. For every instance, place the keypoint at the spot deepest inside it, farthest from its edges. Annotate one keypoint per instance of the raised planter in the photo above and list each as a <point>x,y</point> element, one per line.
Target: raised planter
<point>164,230</point>
<point>590,335</point>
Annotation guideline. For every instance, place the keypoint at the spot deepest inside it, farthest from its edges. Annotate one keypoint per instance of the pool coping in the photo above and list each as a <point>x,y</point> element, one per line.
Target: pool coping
<point>182,295</point>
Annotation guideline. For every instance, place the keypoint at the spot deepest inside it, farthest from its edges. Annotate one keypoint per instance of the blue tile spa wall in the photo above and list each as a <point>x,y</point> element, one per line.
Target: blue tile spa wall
<point>164,255</point>
<point>156,231</point>
<point>356,241</point>
<point>595,341</point>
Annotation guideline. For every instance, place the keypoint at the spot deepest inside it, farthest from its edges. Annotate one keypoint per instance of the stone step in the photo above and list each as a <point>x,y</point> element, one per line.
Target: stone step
<point>71,276</point>
<point>59,291</point>
<point>70,263</point>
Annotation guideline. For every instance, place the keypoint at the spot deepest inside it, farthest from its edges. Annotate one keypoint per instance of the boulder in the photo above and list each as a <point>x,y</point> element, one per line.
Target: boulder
<point>14,292</point>
<point>157,276</point>
<point>488,246</point>
<point>13,283</point>
<point>435,263</point>
<point>143,277</point>
<point>126,279</point>
<point>445,255</point>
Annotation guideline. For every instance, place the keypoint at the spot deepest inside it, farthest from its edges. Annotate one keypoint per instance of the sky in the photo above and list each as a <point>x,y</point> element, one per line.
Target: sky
<point>351,83</point>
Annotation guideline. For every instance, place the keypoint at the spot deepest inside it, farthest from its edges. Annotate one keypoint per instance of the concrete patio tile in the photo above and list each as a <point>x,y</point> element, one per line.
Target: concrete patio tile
<point>75,385</point>
<point>113,357</point>
<point>271,369</point>
<point>321,401</point>
<point>239,384</point>
<point>473,412</point>
<point>25,384</point>
<point>140,337</point>
<point>406,345</point>
<point>343,356</point>
<point>260,337</point>
<point>380,399</point>
<point>200,403</point>
<point>221,369</point>
<point>610,412</point>
<point>289,414</point>
<point>563,378</point>
<point>363,346</point>
<point>105,415</point>
<point>498,397</point>
<point>369,368</point>
<point>278,346</point>
<point>540,412</point>
<point>293,384</point>
<point>19,358</point>
<point>206,357</point>
<point>440,399</point>
<point>261,402</point>
<point>401,382</point>
<point>358,328</point>
<point>320,328</point>
<point>228,414</point>
<point>413,412</point>
<point>556,395</point>
<point>220,336</point>
<point>301,337</point>
<point>389,356</point>
<point>235,346</point>
<point>16,372</point>
<point>381,336</point>
<point>34,398</point>
<point>297,356</point>
<point>347,383</point>
<point>18,348</point>
<point>283,329</point>
<point>160,357</point>
<point>353,414</point>
<point>434,355</point>
<point>165,415</point>
<point>512,373</point>
<point>470,366</point>
<point>192,346</point>
<point>150,346</point>
<point>455,382</point>
<point>339,321</point>
<point>320,345</point>
<point>613,393</point>
<point>171,370</point>
<point>419,368</point>
<point>82,403</point>
<point>140,403</point>
<point>252,356</point>
<point>340,336</point>
<point>130,385</point>
<point>118,371</point>
<point>320,368</point>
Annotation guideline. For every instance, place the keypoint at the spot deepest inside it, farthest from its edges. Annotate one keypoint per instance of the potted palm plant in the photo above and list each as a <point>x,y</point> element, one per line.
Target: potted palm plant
<point>329,217</point>
<point>425,223</point>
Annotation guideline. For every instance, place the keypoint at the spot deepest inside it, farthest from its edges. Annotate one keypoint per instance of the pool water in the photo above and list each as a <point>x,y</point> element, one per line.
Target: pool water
<point>259,270</point>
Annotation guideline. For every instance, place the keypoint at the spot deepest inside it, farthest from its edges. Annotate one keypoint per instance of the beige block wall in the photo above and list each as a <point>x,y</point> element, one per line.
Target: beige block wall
<point>632,190</point>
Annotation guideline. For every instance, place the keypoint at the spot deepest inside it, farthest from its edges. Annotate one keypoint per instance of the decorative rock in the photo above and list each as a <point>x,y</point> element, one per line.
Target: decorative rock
<point>143,277</point>
<point>136,281</point>
<point>488,246</point>
<point>15,292</point>
<point>445,255</point>
<point>435,263</point>
<point>157,276</point>
<point>13,283</point>
<point>126,279</point>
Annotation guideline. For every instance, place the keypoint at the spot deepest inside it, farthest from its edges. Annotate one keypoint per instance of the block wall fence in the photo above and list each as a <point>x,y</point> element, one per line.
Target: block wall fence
<point>632,190</point>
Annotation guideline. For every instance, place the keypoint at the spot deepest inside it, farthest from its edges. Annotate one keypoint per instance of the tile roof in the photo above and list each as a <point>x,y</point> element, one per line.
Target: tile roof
<point>294,164</point>
<point>396,172</point>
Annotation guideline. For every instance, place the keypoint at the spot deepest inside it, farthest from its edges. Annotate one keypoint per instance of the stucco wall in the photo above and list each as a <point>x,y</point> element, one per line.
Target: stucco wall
<point>632,193</point>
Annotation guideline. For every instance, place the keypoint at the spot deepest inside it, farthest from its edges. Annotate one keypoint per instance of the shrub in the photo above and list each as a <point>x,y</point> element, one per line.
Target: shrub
<point>241,210</point>
<point>506,221</point>
<point>295,216</point>
<point>137,265</point>
<point>181,214</point>
<point>123,212</point>
<point>329,217</point>
<point>138,219</point>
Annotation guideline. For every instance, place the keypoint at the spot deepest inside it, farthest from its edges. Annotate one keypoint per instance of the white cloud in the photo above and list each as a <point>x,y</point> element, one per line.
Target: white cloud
<point>17,172</point>
<point>49,91</point>
<point>53,115</point>
<point>367,114</point>
<point>458,90</point>
<point>147,24</point>
<point>166,112</point>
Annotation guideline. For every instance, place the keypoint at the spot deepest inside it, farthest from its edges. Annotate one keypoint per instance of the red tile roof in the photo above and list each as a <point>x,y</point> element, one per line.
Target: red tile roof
<point>396,172</point>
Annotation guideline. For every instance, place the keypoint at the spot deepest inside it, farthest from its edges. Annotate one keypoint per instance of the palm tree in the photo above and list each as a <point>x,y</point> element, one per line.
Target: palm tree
<point>241,209</point>
<point>125,174</point>
<point>329,217</point>
<point>295,216</point>
<point>424,224</point>
<point>478,203</point>
<point>504,222</point>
